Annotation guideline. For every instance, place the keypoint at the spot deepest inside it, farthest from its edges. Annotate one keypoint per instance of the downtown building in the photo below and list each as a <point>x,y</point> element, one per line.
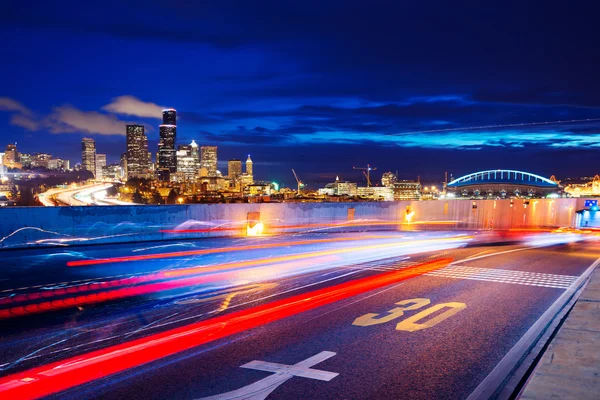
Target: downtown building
<point>208,160</point>
<point>100,163</point>
<point>188,162</point>
<point>167,154</point>
<point>88,155</point>
<point>137,161</point>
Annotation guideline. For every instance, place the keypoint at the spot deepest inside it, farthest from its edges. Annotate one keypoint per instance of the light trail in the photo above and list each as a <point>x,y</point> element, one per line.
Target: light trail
<point>61,375</point>
<point>79,263</point>
<point>175,279</point>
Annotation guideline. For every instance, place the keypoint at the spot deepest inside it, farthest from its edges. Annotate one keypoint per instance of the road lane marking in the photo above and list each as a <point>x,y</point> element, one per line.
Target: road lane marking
<point>506,276</point>
<point>411,324</point>
<point>262,389</point>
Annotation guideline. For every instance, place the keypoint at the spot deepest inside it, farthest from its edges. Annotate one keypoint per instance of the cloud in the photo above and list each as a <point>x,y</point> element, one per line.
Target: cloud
<point>68,119</point>
<point>8,104</point>
<point>25,122</point>
<point>130,105</point>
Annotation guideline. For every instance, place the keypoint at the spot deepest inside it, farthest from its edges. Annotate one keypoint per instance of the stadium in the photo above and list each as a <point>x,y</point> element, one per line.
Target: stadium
<point>503,183</point>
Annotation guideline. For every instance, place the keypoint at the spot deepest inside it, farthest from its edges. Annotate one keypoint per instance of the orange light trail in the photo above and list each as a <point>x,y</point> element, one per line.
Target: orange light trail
<point>61,375</point>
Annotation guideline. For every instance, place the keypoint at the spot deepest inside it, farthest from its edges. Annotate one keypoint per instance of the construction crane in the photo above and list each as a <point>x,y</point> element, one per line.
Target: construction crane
<point>300,184</point>
<point>367,174</point>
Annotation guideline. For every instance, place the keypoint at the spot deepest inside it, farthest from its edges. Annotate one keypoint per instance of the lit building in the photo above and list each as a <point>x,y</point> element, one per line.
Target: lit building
<point>407,190</point>
<point>590,188</point>
<point>166,158</point>
<point>40,160</point>
<point>208,159</point>
<point>58,164</point>
<point>2,167</point>
<point>123,166</point>
<point>100,162</point>
<point>258,189</point>
<point>234,168</point>
<point>187,162</point>
<point>111,172</point>
<point>24,160</point>
<point>249,169</point>
<point>138,162</point>
<point>88,155</point>
<point>383,193</point>
<point>11,156</point>
<point>339,188</point>
<point>388,179</point>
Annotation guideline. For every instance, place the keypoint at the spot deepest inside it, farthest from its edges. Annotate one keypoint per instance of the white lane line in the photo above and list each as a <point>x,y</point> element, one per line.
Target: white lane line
<point>262,389</point>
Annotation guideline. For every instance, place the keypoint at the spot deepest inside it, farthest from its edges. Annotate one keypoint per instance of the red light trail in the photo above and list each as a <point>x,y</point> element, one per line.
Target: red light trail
<point>61,375</point>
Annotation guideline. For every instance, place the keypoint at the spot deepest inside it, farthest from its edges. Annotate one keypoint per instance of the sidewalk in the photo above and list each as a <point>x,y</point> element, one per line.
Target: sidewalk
<point>570,367</point>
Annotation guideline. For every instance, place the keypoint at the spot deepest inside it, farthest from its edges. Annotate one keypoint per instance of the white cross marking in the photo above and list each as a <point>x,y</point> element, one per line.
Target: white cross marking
<point>263,388</point>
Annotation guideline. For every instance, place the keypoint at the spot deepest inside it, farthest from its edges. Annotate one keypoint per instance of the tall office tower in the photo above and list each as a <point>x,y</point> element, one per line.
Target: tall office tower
<point>167,155</point>
<point>234,168</point>
<point>11,157</point>
<point>88,155</point>
<point>208,159</point>
<point>137,151</point>
<point>100,162</point>
<point>195,154</point>
<point>249,166</point>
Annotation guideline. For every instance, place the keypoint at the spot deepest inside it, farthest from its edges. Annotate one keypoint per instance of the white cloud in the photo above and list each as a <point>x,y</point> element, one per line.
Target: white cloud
<point>129,105</point>
<point>8,104</point>
<point>68,119</point>
<point>25,122</point>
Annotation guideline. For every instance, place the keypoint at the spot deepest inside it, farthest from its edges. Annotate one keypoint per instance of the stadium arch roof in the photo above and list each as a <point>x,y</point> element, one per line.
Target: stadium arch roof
<point>503,176</point>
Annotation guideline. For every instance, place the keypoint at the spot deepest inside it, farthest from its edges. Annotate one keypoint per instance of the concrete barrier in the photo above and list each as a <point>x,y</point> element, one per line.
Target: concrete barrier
<point>49,226</point>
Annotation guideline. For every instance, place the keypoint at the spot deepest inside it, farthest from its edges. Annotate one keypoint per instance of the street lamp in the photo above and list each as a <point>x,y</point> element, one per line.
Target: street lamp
<point>180,200</point>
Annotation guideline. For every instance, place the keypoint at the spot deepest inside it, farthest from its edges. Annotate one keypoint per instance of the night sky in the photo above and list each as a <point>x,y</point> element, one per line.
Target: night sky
<point>319,86</point>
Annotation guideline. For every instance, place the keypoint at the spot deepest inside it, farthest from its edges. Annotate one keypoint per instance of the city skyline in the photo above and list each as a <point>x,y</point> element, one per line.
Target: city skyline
<point>320,109</point>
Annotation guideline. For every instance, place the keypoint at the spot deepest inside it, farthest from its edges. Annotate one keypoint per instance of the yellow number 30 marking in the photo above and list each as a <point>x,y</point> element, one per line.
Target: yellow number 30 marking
<point>411,324</point>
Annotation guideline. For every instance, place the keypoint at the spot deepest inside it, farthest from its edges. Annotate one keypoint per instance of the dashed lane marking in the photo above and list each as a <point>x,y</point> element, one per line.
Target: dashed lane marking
<point>505,276</point>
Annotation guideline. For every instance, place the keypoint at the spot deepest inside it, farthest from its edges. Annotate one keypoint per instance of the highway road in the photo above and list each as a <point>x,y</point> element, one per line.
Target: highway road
<point>379,315</point>
<point>93,194</point>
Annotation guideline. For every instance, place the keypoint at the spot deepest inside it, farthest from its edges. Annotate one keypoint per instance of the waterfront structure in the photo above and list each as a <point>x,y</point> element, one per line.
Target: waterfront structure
<point>100,163</point>
<point>208,159</point>
<point>502,183</point>
<point>88,155</point>
<point>138,162</point>
<point>167,155</point>
<point>407,190</point>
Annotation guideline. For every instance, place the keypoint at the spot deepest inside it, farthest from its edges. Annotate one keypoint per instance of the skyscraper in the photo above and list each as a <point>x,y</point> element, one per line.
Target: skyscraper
<point>137,151</point>
<point>249,166</point>
<point>208,159</point>
<point>187,162</point>
<point>100,162</point>
<point>234,168</point>
<point>88,155</point>
<point>167,155</point>
<point>11,156</point>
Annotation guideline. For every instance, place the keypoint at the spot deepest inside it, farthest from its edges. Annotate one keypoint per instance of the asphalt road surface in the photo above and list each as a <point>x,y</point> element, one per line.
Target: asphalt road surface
<point>378,315</point>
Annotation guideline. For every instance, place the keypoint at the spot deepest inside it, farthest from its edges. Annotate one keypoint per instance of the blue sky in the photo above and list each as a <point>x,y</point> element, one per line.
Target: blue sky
<point>317,86</point>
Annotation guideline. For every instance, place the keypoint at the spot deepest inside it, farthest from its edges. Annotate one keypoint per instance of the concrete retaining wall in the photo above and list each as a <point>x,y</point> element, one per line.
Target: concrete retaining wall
<point>43,226</point>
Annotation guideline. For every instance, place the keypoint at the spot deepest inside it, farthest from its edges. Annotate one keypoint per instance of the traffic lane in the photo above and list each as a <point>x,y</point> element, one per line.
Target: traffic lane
<point>30,341</point>
<point>22,268</point>
<point>447,360</point>
<point>66,333</point>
